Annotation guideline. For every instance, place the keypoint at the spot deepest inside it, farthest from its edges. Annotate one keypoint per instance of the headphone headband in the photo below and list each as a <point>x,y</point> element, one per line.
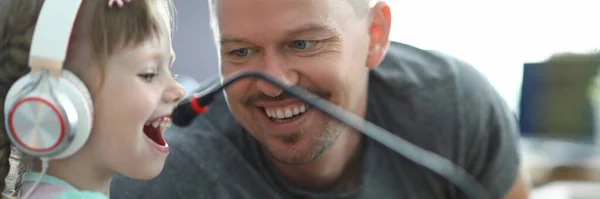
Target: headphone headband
<point>52,33</point>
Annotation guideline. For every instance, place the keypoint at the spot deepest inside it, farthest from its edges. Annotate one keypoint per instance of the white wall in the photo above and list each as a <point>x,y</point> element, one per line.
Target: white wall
<point>497,37</point>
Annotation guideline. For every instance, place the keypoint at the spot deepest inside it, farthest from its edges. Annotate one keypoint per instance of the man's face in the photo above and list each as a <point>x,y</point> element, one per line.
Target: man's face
<point>319,45</point>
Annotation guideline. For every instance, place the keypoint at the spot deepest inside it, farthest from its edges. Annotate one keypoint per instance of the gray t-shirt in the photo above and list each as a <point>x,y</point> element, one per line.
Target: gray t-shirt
<point>435,101</point>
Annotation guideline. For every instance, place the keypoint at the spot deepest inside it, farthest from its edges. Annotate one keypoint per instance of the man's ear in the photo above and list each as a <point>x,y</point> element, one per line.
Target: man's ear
<point>379,32</point>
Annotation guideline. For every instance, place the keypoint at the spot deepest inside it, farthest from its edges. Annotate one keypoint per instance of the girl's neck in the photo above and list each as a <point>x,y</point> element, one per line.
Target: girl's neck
<point>81,172</point>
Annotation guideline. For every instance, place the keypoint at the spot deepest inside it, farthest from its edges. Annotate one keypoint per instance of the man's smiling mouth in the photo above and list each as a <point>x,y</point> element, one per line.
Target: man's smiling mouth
<point>281,114</point>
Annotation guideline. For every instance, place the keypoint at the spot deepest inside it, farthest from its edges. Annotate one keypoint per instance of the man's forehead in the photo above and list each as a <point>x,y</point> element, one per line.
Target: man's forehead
<point>277,18</point>
<point>252,8</point>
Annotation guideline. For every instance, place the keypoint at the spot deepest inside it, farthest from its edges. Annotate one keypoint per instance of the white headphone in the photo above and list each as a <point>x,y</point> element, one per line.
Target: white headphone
<point>49,115</point>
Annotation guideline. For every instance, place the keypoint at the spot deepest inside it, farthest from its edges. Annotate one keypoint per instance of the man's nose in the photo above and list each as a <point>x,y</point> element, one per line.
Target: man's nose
<point>280,71</point>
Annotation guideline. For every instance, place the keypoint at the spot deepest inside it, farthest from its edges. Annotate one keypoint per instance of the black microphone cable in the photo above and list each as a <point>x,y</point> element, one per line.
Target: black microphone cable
<point>185,113</point>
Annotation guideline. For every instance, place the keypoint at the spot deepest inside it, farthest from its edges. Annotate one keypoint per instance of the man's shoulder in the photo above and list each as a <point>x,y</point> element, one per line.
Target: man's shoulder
<point>413,68</point>
<point>448,107</point>
<point>430,94</point>
<point>435,76</point>
<point>423,81</point>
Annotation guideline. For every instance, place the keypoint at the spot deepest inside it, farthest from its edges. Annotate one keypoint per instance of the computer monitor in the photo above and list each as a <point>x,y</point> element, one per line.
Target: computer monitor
<point>555,100</point>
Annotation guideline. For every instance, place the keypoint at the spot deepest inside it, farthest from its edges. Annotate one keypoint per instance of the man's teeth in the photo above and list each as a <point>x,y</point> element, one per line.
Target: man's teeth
<point>287,112</point>
<point>162,123</point>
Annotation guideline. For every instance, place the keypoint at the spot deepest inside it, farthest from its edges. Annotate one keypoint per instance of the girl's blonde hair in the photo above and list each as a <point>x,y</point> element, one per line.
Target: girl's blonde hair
<point>106,29</point>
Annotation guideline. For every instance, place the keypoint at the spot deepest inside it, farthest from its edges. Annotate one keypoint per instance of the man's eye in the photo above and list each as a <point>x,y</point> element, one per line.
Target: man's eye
<point>148,77</point>
<point>302,44</point>
<point>242,52</point>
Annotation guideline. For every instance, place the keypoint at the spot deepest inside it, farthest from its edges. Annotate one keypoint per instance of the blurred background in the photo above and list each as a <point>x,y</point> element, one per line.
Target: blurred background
<point>508,41</point>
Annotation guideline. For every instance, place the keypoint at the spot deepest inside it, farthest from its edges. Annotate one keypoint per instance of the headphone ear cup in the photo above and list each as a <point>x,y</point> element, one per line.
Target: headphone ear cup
<point>23,88</point>
<point>76,98</point>
<point>71,86</point>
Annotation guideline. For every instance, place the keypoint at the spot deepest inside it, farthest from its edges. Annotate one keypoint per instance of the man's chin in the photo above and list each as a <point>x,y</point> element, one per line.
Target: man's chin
<point>299,148</point>
<point>294,155</point>
<point>293,160</point>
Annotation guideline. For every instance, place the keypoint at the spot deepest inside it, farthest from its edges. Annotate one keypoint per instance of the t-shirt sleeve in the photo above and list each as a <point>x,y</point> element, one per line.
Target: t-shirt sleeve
<point>80,195</point>
<point>490,133</point>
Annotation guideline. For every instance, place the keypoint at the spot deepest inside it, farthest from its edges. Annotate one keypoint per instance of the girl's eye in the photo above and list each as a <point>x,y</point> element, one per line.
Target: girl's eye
<point>148,77</point>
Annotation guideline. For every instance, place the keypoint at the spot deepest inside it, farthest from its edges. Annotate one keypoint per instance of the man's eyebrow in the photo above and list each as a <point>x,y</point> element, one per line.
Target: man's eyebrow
<point>302,29</point>
<point>311,28</point>
<point>226,39</point>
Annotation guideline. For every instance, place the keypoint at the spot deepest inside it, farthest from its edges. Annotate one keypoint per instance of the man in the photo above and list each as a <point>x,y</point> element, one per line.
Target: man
<point>258,142</point>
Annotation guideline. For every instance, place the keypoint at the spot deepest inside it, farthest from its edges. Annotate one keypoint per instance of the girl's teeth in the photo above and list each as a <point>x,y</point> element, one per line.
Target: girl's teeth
<point>162,123</point>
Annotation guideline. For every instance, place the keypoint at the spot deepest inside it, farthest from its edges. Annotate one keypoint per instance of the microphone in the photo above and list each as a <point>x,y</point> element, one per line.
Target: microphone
<point>185,113</point>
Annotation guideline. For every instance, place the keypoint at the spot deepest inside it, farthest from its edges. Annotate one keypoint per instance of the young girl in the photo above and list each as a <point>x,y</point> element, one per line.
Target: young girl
<point>123,55</point>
